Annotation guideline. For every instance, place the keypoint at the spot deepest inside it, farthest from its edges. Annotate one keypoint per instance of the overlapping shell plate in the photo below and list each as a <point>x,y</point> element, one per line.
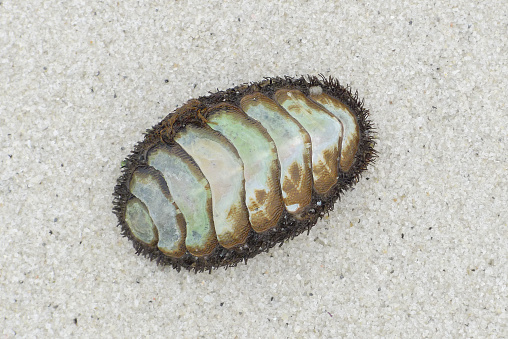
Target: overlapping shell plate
<point>232,174</point>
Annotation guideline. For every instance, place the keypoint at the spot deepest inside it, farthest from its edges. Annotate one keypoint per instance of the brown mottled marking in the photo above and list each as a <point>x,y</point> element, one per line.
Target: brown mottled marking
<point>297,187</point>
<point>326,170</point>
<point>348,153</point>
<point>231,239</point>
<point>263,213</point>
<point>261,196</point>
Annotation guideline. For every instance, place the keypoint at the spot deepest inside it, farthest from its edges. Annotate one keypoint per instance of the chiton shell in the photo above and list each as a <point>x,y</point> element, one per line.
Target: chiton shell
<point>229,175</point>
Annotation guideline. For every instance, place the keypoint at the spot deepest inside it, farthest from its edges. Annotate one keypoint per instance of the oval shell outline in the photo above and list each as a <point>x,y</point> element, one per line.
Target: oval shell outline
<point>321,93</point>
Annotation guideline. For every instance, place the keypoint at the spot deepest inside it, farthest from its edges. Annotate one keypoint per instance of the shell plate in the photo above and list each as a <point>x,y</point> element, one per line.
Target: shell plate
<point>230,175</point>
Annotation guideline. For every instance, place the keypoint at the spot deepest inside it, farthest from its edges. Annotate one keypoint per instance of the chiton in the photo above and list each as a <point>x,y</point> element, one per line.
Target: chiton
<point>230,175</point>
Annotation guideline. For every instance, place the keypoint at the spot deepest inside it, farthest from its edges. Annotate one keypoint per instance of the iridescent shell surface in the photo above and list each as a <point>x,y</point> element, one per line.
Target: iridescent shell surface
<point>232,174</point>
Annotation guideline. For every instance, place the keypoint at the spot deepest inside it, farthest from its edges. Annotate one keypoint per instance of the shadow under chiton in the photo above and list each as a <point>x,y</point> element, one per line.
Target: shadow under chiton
<point>232,174</point>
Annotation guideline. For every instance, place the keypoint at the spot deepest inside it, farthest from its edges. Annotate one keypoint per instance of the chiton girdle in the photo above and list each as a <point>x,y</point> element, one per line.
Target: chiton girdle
<point>231,174</point>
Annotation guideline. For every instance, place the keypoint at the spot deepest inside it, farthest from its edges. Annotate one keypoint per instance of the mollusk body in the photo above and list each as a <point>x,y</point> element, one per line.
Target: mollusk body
<point>230,175</point>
